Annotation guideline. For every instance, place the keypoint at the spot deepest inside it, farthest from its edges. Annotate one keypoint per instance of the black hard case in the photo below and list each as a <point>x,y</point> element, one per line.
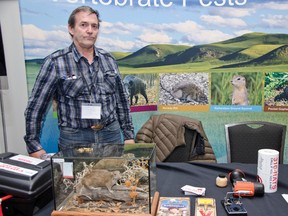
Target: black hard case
<point>29,193</point>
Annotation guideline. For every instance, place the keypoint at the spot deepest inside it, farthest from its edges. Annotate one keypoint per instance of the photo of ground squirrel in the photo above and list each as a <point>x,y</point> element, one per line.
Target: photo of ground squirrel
<point>240,93</point>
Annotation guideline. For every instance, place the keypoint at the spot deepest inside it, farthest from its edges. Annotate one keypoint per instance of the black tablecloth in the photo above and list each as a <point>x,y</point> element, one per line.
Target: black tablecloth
<point>172,176</point>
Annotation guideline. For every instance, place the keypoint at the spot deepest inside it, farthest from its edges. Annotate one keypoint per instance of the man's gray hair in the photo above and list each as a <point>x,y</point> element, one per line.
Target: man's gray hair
<point>71,20</point>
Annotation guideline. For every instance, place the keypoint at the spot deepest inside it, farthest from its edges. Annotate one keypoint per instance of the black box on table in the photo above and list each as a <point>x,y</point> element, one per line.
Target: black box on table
<point>28,180</point>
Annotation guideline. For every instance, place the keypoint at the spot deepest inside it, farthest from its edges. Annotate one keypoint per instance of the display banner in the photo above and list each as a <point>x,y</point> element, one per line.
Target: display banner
<point>218,61</point>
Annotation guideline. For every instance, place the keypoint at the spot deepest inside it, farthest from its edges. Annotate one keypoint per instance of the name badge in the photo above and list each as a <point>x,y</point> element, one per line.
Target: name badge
<point>90,111</point>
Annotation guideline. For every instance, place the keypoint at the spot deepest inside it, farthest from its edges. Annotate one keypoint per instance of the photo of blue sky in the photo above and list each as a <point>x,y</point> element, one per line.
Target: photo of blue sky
<point>133,24</point>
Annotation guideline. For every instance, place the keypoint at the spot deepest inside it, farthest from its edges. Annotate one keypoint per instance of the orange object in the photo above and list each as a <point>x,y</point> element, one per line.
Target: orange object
<point>244,188</point>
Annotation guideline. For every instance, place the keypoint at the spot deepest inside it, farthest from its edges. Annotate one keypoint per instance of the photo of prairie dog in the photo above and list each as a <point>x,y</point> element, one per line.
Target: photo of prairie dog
<point>101,178</point>
<point>188,92</point>
<point>240,94</point>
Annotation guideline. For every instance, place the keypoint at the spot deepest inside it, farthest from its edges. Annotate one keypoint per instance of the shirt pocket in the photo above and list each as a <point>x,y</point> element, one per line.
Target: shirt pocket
<point>74,88</point>
<point>108,86</point>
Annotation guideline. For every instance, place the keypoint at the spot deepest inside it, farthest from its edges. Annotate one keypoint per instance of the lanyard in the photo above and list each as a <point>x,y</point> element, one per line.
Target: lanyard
<point>94,77</point>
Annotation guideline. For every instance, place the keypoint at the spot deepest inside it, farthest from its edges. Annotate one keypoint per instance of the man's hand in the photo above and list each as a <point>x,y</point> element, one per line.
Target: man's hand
<point>130,141</point>
<point>38,154</point>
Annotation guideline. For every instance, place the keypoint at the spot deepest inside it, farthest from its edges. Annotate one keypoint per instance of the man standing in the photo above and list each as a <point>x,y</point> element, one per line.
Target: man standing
<point>86,84</point>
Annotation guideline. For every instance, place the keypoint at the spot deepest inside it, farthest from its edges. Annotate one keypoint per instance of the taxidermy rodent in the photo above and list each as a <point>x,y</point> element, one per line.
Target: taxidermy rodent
<point>188,92</point>
<point>240,94</point>
<point>101,178</point>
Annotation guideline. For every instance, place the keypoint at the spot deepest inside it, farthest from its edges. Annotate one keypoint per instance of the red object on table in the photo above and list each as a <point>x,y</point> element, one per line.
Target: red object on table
<point>1,200</point>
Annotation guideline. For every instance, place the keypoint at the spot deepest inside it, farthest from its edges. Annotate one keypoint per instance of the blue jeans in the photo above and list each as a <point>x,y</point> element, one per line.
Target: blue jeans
<point>70,137</point>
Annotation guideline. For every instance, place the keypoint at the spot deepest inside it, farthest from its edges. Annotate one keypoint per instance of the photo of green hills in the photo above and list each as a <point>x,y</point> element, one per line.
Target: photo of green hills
<point>249,52</point>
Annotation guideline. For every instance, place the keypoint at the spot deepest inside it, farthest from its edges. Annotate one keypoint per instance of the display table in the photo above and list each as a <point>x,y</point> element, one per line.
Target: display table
<point>172,176</point>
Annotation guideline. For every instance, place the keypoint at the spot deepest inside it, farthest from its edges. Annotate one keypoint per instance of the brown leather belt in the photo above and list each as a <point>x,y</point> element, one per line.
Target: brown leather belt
<point>100,126</point>
<point>97,126</point>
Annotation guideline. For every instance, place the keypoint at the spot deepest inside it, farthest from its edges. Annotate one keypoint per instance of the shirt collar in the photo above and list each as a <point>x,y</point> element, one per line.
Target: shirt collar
<point>77,55</point>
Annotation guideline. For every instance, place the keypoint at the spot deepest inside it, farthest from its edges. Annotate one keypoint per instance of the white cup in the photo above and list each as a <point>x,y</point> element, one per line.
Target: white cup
<point>267,169</point>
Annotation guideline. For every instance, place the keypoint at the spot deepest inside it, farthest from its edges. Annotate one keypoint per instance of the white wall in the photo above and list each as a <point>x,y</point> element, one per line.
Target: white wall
<point>15,97</point>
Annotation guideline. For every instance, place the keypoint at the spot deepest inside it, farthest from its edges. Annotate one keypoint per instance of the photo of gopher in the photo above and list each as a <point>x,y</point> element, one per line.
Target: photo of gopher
<point>282,96</point>
<point>240,93</point>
